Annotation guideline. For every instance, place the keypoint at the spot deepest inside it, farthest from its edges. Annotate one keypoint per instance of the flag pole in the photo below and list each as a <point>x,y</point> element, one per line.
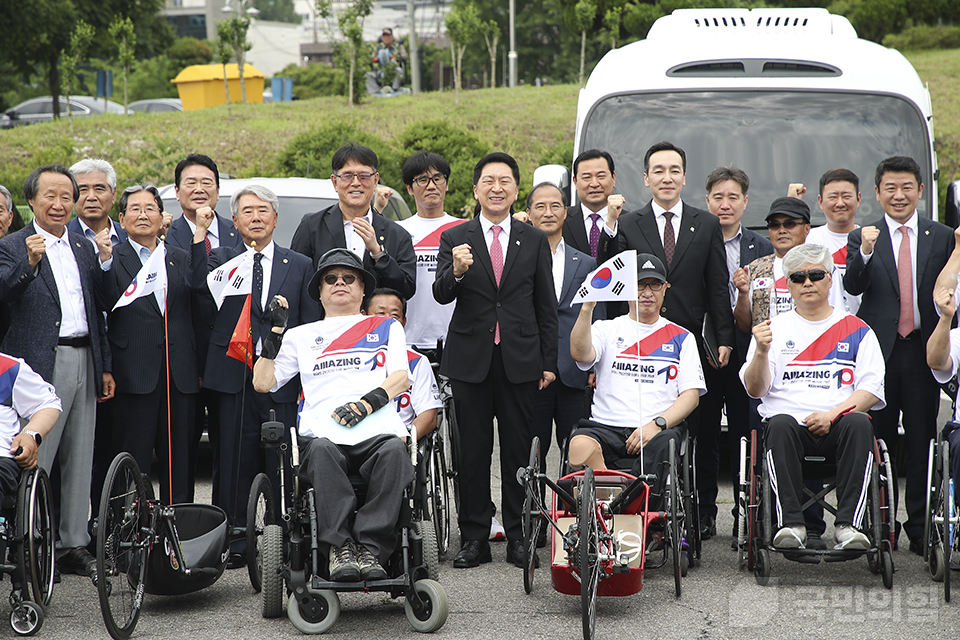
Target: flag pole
<point>636,325</point>
<point>166,347</point>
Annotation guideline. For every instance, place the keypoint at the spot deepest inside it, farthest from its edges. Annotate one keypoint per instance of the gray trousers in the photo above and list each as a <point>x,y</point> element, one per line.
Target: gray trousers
<point>73,436</point>
<point>384,464</point>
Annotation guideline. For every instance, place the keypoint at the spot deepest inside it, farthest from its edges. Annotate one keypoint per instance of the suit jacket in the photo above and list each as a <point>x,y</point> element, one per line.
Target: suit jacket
<point>321,231</point>
<point>877,279</point>
<point>136,331</point>
<point>35,304</point>
<point>575,233</point>
<point>74,226</point>
<point>289,278</point>
<point>698,276</point>
<point>752,246</point>
<point>180,235</point>
<point>576,266</point>
<point>524,304</point>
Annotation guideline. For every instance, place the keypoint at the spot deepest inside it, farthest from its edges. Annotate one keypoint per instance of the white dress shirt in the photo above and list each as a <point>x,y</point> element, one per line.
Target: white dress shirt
<point>504,236</point>
<point>212,232</point>
<point>677,210</point>
<point>895,238</point>
<point>559,261</point>
<point>66,273</point>
<point>354,240</point>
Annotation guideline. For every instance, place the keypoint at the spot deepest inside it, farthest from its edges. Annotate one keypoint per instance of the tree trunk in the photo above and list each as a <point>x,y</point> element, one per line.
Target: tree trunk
<point>493,62</point>
<point>456,73</point>
<point>353,66</point>
<point>53,77</point>
<point>583,51</point>
<point>243,85</point>
<point>226,89</point>
<point>126,94</point>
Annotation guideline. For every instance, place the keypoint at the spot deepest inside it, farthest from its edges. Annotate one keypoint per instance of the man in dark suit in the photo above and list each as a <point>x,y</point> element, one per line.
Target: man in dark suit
<point>563,401</point>
<point>48,277</point>
<point>595,180</point>
<point>501,347</point>
<point>690,243</point>
<point>726,199</point>
<point>384,247</point>
<point>236,438</point>
<point>154,347</point>
<point>902,247</point>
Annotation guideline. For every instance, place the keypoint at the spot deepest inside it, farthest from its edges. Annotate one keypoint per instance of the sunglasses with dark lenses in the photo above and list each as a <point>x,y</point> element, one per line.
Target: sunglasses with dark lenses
<point>331,278</point>
<point>773,225</point>
<point>799,277</point>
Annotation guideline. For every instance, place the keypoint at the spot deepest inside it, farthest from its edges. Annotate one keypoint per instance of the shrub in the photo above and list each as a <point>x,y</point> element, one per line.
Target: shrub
<point>924,37</point>
<point>315,80</point>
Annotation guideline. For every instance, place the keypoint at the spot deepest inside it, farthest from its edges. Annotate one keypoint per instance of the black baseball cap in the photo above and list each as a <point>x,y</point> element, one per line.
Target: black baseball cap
<point>791,207</point>
<point>649,266</point>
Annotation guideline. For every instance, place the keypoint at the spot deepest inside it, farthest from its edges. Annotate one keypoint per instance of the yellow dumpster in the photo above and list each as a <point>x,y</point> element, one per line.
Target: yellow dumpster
<point>201,85</point>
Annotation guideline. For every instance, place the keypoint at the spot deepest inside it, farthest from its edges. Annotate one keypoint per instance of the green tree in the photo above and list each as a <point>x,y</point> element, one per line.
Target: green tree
<point>611,20</point>
<point>186,52</point>
<point>232,34</point>
<point>151,78</point>
<point>315,80</point>
<point>224,53</point>
<point>73,57</point>
<point>121,31</point>
<point>277,11</point>
<point>491,37</point>
<point>585,11</point>
<point>462,25</point>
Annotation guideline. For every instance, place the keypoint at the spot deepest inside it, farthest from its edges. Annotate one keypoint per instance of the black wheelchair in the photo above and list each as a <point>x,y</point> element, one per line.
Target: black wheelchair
<point>942,520</point>
<point>144,546</point>
<point>293,562</point>
<point>440,453</point>
<point>756,524</point>
<point>26,548</point>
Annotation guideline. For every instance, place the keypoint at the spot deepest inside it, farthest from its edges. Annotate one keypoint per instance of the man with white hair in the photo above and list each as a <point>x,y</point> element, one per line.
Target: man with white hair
<point>6,210</point>
<point>97,182</point>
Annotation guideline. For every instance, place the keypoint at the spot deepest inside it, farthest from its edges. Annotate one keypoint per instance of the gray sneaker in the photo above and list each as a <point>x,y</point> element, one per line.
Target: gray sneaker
<point>850,538</point>
<point>791,537</point>
<point>343,563</point>
<point>370,568</point>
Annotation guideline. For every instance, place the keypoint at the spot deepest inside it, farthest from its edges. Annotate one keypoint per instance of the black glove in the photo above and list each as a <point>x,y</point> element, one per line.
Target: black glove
<point>278,313</point>
<point>271,345</point>
<point>351,413</point>
<point>377,398</point>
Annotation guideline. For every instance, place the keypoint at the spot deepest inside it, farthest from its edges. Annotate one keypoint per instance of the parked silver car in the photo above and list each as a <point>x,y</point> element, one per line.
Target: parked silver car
<point>41,110</point>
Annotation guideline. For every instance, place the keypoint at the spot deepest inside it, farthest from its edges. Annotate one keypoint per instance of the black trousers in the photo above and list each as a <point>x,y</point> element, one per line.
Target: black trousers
<point>477,405</point>
<point>850,442</point>
<point>911,389</point>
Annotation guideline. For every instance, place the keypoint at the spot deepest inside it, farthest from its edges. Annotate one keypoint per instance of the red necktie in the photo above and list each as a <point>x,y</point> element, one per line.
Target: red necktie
<point>496,257</point>
<point>206,243</point>
<point>905,279</point>
<point>669,240</point>
<point>594,234</point>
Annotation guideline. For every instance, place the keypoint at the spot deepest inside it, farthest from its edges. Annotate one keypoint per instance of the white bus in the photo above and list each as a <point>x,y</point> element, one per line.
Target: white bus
<point>784,94</point>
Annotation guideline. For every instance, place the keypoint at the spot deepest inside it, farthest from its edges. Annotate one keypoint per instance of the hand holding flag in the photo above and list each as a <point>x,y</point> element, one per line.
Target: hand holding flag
<point>232,278</point>
<point>615,279</point>
<point>151,277</point>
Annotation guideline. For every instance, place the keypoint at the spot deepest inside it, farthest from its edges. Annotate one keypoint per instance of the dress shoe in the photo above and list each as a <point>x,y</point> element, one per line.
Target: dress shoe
<point>708,527</point>
<point>916,547</point>
<point>473,553</point>
<point>78,561</point>
<point>236,561</point>
<point>515,554</point>
<point>815,541</point>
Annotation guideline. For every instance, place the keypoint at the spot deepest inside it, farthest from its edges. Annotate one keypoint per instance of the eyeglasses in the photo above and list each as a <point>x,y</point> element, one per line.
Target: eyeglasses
<point>438,180</point>
<point>348,278</point>
<point>206,183</point>
<point>364,178</point>
<point>555,207</point>
<point>653,286</point>
<point>149,209</point>
<point>773,225</point>
<point>799,277</point>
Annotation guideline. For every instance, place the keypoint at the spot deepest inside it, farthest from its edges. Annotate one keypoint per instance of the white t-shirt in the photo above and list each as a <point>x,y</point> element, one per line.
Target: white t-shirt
<point>339,360</point>
<point>22,393</point>
<point>423,395</point>
<point>427,319</point>
<point>836,244</point>
<point>784,301</point>
<point>944,376</point>
<point>668,364</point>
<point>815,366</point>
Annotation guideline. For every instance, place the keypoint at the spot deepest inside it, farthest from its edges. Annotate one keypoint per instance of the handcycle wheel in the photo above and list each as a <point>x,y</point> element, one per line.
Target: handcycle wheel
<point>453,435</point>
<point>531,521</point>
<point>691,504</point>
<point>436,607</point>
<point>36,530</point>
<point>26,618</point>
<point>271,594</point>
<point>588,560</point>
<point>440,495</point>
<point>122,546</point>
<point>675,526</point>
<point>949,513</point>
<point>325,618</point>
<point>929,537</point>
<point>260,513</point>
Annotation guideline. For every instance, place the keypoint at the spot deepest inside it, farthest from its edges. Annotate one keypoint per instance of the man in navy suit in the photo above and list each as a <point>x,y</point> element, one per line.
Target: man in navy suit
<point>153,344</point>
<point>236,437</point>
<point>902,247</point>
<point>726,199</point>
<point>595,180</point>
<point>48,278</point>
<point>501,347</point>
<point>563,401</point>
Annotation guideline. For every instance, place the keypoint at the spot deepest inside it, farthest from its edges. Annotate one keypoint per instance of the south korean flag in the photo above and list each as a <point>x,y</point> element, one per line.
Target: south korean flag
<point>232,278</point>
<point>615,279</point>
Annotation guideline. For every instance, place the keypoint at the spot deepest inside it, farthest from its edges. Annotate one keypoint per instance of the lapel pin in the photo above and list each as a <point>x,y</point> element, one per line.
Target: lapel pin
<point>518,243</point>
<point>927,232</point>
<point>692,229</point>
<point>381,238</point>
<point>78,245</point>
<point>284,261</point>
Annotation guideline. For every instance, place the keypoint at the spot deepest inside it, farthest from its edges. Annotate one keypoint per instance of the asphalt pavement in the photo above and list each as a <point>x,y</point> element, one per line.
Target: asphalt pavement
<point>841,600</point>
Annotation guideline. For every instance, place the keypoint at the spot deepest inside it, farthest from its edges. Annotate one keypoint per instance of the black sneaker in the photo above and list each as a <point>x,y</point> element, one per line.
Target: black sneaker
<point>343,563</point>
<point>814,541</point>
<point>370,568</point>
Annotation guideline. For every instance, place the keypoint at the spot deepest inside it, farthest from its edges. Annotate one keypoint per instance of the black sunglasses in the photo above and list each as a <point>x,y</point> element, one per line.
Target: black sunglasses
<point>773,225</point>
<point>799,277</point>
<point>331,278</point>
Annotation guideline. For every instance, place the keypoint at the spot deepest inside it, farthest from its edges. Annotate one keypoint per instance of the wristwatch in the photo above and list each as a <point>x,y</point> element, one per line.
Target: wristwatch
<point>383,252</point>
<point>661,422</point>
<point>36,436</point>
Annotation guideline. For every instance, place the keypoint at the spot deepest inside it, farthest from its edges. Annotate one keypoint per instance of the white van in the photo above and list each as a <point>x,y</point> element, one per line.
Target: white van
<point>784,94</point>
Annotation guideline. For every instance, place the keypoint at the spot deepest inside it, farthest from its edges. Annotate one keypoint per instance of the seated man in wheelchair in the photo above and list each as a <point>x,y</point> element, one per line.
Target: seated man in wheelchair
<point>817,370</point>
<point>644,346</point>
<point>350,366</point>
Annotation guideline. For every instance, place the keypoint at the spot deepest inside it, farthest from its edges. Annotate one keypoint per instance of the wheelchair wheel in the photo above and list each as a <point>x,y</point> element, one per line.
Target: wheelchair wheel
<point>753,506</point>
<point>271,594</point>
<point>35,527</point>
<point>428,545</point>
<point>675,526</point>
<point>761,567</point>
<point>260,513</point>
<point>886,567</point>
<point>26,618</point>
<point>588,561</point>
<point>691,502</point>
<point>439,503</point>
<point>929,539</point>
<point>453,437</point>
<point>948,513</point>
<point>531,515</point>
<point>433,613</point>
<point>122,547</point>
<point>326,616</point>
